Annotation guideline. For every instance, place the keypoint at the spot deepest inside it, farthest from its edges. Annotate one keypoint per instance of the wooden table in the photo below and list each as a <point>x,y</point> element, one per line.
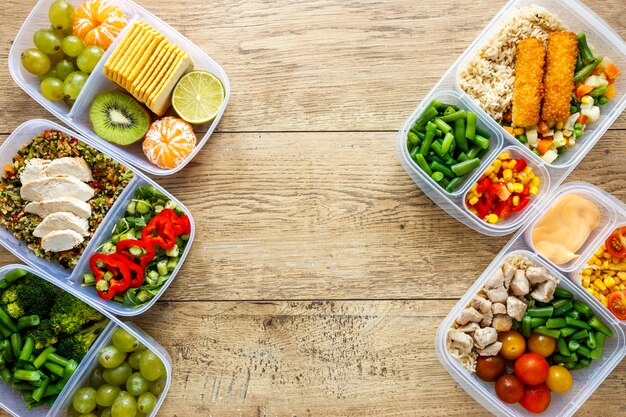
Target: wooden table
<point>320,272</point>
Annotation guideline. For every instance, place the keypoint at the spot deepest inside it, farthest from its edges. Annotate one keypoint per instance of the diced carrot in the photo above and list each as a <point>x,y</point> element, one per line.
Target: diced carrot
<point>542,127</point>
<point>583,89</point>
<point>509,129</point>
<point>582,119</point>
<point>610,91</point>
<point>544,145</point>
<point>612,72</point>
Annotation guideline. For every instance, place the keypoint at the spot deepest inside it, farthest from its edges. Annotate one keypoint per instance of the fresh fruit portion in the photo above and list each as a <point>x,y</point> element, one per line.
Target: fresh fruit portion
<point>169,142</point>
<point>617,304</point>
<point>198,96</point>
<point>52,89</point>
<point>35,61</point>
<point>74,84</point>
<point>47,41</point>
<point>72,46</point>
<point>89,58</point>
<point>98,23</point>
<point>118,118</point>
<point>61,15</point>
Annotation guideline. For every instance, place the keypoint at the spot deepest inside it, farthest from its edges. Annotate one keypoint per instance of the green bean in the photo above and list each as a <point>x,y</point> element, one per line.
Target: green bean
<point>526,327</point>
<point>561,344</point>
<point>573,314</point>
<point>54,368</point>
<point>599,326</point>
<point>429,114</point>
<point>602,100</point>
<point>436,166</point>
<point>421,161</point>
<point>448,140</point>
<point>564,359</point>
<point>584,362</point>
<point>473,153</point>
<point>16,344</point>
<point>481,142</point>
<point>580,335</point>
<point>89,279</point>
<point>449,110</point>
<point>437,176</point>
<point>577,323</point>
<point>547,332</point>
<point>537,321</point>
<point>413,138</point>
<point>586,70</point>
<point>459,134</point>
<point>591,340</point>
<point>443,126</point>
<point>444,183</point>
<point>460,114</point>
<point>7,322</point>
<point>598,91</point>
<point>439,105</point>
<point>585,52</point>
<point>582,350</point>
<point>24,375</point>
<point>453,184</point>
<point>470,128</point>
<point>6,376</point>
<point>582,308</point>
<point>555,323</point>
<point>4,332</point>
<point>428,140</point>
<point>59,360</point>
<point>27,349</point>
<point>568,331</point>
<point>12,276</point>
<point>38,393</point>
<point>28,321</point>
<point>436,146</point>
<point>540,311</point>
<point>432,157</point>
<point>465,167</point>
<point>564,308</point>
<point>43,357</point>
<point>600,340</point>
<point>563,293</point>
<point>462,157</point>
<point>482,132</point>
<point>573,345</point>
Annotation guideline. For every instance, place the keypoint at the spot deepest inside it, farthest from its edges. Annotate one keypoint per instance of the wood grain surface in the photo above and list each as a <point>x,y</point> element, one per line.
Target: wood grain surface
<point>320,272</point>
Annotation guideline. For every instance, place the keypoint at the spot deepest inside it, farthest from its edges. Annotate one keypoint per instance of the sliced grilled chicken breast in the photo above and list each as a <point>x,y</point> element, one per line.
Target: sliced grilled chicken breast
<point>65,204</point>
<point>61,221</point>
<point>35,169</point>
<point>56,187</point>
<point>76,167</point>
<point>61,240</point>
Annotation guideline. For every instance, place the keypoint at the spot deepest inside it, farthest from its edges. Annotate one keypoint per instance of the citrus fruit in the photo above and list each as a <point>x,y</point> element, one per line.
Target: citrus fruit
<point>169,142</point>
<point>198,96</point>
<point>98,23</point>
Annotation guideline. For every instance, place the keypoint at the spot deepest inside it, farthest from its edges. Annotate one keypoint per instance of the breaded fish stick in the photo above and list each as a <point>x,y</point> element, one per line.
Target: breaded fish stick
<point>559,79</point>
<point>528,87</point>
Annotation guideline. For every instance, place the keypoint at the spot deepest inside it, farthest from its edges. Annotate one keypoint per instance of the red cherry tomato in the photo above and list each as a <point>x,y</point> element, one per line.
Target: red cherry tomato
<point>536,398</point>
<point>509,389</point>
<point>531,368</point>
<point>616,243</point>
<point>490,368</point>
<point>617,304</point>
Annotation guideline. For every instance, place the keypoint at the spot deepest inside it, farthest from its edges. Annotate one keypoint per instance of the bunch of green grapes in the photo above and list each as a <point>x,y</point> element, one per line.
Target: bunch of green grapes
<point>127,382</point>
<point>60,59</point>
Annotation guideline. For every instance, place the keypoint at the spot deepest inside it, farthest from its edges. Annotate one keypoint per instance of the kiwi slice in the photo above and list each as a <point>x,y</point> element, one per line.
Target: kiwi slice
<point>118,118</point>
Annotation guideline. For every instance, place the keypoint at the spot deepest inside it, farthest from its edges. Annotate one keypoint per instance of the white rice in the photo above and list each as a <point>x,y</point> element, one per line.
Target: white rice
<point>490,74</point>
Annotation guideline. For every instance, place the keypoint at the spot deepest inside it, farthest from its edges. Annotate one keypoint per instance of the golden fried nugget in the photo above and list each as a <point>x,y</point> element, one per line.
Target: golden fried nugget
<point>559,79</point>
<point>528,87</point>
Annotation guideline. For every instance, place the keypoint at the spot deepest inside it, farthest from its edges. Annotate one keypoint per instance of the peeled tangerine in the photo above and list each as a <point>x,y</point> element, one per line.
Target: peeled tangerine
<point>169,142</point>
<point>98,23</point>
<point>565,227</point>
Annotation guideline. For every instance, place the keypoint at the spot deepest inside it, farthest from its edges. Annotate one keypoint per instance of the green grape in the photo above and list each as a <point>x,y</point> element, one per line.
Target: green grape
<point>140,414</point>
<point>72,412</point>
<point>47,41</point>
<point>73,84</point>
<point>88,58</point>
<point>124,341</point>
<point>88,415</point>
<point>157,387</point>
<point>61,33</point>
<point>125,405</point>
<point>106,395</point>
<point>52,89</point>
<point>118,375</point>
<point>84,400</point>
<point>96,379</point>
<point>151,366</point>
<point>111,357</point>
<point>72,46</point>
<point>106,412</point>
<point>134,358</point>
<point>35,61</point>
<point>137,384</point>
<point>64,68</point>
<point>61,14</point>
<point>69,101</point>
<point>146,402</point>
<point>50,74</point>
<point>56,58</point>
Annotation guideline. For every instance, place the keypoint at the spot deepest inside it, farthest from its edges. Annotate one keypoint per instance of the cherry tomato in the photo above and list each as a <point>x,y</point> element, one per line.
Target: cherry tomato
<point>513,345</point>
<point>559,379</point>
<point>616,243</point>
<point>490,368</point>
<point>536,398</point>
<point>617,304</point>
<point>542,345</point>
<point>531,368</point>
<point>509,389</point>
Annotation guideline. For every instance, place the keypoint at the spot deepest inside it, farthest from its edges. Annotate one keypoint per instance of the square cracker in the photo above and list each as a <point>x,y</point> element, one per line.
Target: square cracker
<point>157,71</point>
<point>154,58</point>
<point>161,99</point>
<point>134,54</point>
<point>161,74</point>
<point>139,62</point>
<point>120,50</point>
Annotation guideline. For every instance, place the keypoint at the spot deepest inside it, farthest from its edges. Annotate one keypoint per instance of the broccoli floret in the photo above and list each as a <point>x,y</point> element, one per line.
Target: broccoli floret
<point>29,296</point>
<point>77,345</point>
<point>43,335</point>
<point>69,314</point>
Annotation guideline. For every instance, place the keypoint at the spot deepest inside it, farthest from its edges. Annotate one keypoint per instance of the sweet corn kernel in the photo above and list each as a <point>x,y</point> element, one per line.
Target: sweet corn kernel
<point>534,190</point>
<point>592,291</point>
<point>474,188</point>
<point>473,200</point>
<point>516,200</point>
<point>507,174</point>
<point>587,271</point>
<point>622,287</point>
<point>518,187</point>
<point>586,282</point>
<point>510,186</point>
<point>490,170</point>
<point>617,280</point>
<point>497,164</point>
<point>492,218</point>
<point>604,300</point>
<point>536,181</point>
<point>587,100</point>
<point>605,265</point>
<point>519,131</point>
<point>504,156</point>
<point>559,125</point>
<point>621,275</point>
<point>609,282</point>
<point>523,177</point>
<point>528,170</point>
<point>606,255</point>
<point>512,163</point>
<point>599,284</point>
<point>599,252</point>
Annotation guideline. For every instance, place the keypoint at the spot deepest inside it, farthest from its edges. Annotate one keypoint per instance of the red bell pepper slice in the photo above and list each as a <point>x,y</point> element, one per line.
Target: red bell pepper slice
<point>482,208</point>
<point>137,273</point>
<point>483,185</point>
<point>181,225</point>
<point>123,248</point>
<point>160,232</point>
<point>523,202</point>
<point>121,275</point>
<point>503,208</point>
<point>521,165</point>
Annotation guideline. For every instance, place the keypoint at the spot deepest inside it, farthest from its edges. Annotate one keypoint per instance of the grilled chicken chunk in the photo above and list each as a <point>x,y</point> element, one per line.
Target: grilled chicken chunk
<point>491,350</point>
<point>502,322</point>
<point>461,341</point>
<point>515,308</point>
<point>485,337</point>
<point>469,315</point>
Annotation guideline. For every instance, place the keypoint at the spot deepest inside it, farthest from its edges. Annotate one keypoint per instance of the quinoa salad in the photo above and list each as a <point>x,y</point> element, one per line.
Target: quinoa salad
<point>108,181</point>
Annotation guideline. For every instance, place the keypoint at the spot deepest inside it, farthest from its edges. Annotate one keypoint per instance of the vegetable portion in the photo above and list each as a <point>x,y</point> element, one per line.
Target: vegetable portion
<point>446,143</point>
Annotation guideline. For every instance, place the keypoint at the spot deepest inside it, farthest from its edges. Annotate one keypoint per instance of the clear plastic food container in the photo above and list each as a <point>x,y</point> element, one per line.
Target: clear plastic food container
<point>66,278</point>
<point>13,403</point>
<point>77,116</point>
<point>578,18</point>
<point>587,380</point>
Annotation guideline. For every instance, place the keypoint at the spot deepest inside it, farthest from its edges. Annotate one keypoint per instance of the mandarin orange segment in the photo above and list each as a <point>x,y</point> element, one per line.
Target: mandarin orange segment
<point>169,142</point>
<point>98,23</point>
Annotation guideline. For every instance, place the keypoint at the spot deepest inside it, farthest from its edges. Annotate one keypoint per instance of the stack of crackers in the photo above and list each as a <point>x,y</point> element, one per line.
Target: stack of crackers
<point>148,66</point>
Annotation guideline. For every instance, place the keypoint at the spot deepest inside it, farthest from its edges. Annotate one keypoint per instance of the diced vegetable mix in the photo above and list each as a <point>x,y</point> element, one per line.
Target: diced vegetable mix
<point>447,143</point>
<point>44,334</point>
<point>594,87</point>
<point>506,188</point>
<point>143,251</point>
<point>604,276</point>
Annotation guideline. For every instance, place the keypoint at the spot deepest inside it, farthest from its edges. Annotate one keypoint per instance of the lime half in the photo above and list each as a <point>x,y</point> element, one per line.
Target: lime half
<point>198,96</point>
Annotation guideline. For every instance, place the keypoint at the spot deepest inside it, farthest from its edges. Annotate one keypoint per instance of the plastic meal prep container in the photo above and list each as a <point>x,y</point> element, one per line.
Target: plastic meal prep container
<point>13,403</point>
<point>66,278</point>
<point>578,18</point>
<point>77,116</point>
<point>587,380</point>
